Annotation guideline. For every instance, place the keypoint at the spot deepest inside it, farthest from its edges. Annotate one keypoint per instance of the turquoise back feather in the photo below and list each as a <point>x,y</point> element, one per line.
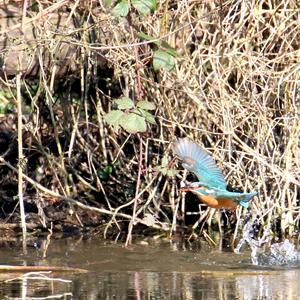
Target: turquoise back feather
<point>200,163</point>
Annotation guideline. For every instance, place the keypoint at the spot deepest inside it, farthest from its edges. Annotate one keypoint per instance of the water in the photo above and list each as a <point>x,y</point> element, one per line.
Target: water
<point>280,254</point>
<point>263,253</point>
<point>150,269</point>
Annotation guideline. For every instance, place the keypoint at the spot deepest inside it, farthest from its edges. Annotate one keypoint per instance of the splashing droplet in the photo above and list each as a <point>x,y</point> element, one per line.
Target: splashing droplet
<point>278,254</point>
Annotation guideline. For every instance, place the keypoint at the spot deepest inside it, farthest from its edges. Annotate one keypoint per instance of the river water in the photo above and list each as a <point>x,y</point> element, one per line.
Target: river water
<point>149,269</point>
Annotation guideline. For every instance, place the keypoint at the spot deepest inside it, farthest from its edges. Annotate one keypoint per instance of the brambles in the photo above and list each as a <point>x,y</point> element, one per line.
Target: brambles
<point>130,117</point>
<point>121,9</point>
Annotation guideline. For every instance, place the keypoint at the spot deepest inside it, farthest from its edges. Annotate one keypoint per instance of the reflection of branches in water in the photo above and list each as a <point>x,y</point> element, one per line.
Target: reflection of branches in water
<point>38,276</point>
<point>29,282</point>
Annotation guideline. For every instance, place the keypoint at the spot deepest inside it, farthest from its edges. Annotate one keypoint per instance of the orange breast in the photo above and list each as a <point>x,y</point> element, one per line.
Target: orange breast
<point>217,203</point>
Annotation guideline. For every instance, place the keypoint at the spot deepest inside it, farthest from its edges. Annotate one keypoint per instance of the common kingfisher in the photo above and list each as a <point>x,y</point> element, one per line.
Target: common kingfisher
<point>211,188</point>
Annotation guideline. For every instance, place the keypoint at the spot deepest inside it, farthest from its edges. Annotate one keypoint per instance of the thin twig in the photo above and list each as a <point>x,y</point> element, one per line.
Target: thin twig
<point>136,198</point>
<point>21,162</point>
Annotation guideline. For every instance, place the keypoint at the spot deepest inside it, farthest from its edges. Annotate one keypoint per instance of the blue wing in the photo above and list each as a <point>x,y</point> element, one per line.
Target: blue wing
<point>200,163</point>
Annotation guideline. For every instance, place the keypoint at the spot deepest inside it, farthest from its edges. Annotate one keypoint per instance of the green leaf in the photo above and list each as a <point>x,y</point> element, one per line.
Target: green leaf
<point>165,169</point>
<point>146,105</point>
<point>147,37</point>
<point>121,9</point>
<point>113,118</point>
<point>163,60</point>
<point>167,48</point>
<point>146,115</point>
<point>172,172</point>
<point>124,103</point>
<point>149,117</point>
<point>104,173</point>
<point>144,6</point>
<point>167,172</point>
<point>160,43</point>
<point>164,161</point>
<point>133,123</point>
<point>108,169</point>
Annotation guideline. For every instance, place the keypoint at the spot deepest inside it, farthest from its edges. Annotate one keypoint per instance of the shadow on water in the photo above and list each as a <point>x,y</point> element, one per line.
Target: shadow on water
<point>148,270</point>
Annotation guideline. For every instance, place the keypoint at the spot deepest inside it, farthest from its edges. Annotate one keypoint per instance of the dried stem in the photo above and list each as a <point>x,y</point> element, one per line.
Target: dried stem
<point>136,198</point>
<point>21,162</point>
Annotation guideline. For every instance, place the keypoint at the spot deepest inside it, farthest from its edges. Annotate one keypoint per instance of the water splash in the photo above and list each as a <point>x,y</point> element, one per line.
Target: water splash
<point>248,237</point>
<point>278,254</point>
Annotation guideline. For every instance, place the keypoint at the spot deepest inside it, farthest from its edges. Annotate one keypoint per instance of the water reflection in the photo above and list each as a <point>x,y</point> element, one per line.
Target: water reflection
<point>158,270</point>
<point>153,285</point>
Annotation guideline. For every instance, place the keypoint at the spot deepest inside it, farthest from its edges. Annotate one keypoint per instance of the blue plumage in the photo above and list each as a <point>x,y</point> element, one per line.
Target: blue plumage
<point>211,180</point>
<point>200,163</point>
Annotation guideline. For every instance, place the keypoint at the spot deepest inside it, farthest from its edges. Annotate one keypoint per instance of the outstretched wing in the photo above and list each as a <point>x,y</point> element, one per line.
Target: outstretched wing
<point>200,163</point>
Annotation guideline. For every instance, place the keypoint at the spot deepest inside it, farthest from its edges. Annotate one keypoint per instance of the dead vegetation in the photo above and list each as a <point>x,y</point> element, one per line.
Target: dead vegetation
<point>234,90</point>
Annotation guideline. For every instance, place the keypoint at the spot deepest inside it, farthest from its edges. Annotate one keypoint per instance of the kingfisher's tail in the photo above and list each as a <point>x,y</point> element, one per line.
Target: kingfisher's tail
<point>240,198</point>
<point>245,198</point>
